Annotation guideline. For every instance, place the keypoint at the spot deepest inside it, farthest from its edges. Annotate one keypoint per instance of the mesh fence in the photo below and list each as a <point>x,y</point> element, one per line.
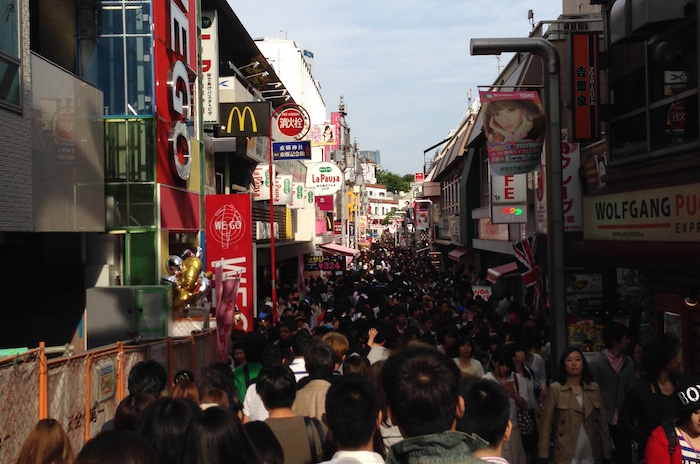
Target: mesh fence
<point>19,402</point>
<point>83,390</point>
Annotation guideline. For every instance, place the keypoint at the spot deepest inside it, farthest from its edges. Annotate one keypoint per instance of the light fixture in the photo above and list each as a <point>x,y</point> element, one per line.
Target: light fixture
<point>276,85</point>
<point>692,299</point>
<point>260,74</point>
<point>286,97</point>
<point>253,64</point>
<point>279,92</point>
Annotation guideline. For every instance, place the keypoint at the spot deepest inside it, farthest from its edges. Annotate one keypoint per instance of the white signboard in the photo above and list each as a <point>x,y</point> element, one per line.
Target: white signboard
<point>261,182</point>
<point>210,67</point>
<point>509,189</point>
<point>325,178</point>
<point>283,190</point>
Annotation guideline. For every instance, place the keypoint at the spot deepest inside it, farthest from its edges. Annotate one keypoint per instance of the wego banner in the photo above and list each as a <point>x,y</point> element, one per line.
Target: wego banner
<point>514,125</point>
<point>230,245</point>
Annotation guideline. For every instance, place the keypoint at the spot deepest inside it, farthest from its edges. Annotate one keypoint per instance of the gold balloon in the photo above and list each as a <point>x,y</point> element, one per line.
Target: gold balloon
<point>181,298</point>
<point>191,268</point>
<point>209,275</point>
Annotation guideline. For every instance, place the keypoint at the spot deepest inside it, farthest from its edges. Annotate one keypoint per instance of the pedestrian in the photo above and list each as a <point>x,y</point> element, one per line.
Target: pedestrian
<point>117,447</point>
<point>574,416</point>
<point>46,443</point>
<point>466,361</point>
<point>265,443</point>
<point>422,388</point>
<point>164,425</point>
<point>310,400</point>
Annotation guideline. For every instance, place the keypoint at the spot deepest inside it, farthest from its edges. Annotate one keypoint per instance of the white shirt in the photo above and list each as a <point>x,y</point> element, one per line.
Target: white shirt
<point>253,406</point>
<point>355,457</point>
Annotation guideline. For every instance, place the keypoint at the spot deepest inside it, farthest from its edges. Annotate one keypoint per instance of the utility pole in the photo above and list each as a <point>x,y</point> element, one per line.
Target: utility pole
<point>344,136</point>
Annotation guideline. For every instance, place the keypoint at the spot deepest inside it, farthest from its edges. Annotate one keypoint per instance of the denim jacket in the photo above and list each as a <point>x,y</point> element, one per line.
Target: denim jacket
<point>437,448</point>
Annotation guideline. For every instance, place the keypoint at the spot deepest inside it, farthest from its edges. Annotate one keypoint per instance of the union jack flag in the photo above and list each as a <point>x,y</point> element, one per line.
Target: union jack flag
<point>525,252</point>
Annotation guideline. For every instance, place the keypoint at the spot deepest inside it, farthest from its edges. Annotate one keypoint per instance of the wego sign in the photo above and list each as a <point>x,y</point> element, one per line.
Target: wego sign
<point>175,33</point>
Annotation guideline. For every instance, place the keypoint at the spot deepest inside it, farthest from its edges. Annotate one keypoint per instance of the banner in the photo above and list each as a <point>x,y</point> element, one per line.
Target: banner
<point>229,251</point>
<point>514,125</point>
<point>226,311</point>
<point>323,135</point>
<point>261,182</point>
<point>525,252</point>
<point>283,190</point>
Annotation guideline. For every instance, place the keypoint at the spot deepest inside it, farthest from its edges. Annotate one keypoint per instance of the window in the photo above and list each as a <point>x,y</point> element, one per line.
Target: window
<point>10,58</point>
<point>654,96</point>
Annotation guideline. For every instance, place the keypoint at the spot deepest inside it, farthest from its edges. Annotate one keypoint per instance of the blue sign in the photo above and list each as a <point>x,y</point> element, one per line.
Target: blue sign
<point>300,149</point>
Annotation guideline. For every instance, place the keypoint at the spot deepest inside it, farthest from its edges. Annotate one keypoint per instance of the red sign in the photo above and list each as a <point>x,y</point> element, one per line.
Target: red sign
<point>418,177</point>
<point>290,122</point>
<point>229,245</point>
<point>585,121</point>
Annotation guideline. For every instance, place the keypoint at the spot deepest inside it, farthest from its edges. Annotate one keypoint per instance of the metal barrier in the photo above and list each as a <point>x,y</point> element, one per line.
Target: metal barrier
<point>83,391</point>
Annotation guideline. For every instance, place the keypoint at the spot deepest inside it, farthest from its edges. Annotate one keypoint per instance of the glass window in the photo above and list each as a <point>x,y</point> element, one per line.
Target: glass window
<point>139,77</point>
<point>9,81</point>
<point>9,28</point>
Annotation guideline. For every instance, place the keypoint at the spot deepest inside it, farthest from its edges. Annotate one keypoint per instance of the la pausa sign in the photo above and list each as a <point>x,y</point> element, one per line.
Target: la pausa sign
<point>325,178</point>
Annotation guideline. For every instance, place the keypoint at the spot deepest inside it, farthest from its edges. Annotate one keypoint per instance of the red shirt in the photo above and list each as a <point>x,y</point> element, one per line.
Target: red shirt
<point>656,450</point>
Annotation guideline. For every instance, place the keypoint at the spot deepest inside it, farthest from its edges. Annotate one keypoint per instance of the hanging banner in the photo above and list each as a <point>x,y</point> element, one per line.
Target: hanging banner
<point>514,125</point>
<point>261,182</point>
<point>298,199</point>
<point>283,190</point>
<point>323,134</point>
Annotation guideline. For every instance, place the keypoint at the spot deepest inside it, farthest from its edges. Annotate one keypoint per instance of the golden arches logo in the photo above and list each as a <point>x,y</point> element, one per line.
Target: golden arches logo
<point>241,119</point>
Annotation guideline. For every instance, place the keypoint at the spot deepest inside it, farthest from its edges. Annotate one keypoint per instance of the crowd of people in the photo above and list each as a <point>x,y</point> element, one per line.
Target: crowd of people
<point>397,361</point>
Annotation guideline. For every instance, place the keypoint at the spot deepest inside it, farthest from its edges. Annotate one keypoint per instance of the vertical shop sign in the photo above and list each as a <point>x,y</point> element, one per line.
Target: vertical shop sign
<point>583,85</point>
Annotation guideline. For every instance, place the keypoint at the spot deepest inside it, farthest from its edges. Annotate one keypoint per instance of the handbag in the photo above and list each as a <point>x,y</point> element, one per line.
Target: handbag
<point>526,420</point>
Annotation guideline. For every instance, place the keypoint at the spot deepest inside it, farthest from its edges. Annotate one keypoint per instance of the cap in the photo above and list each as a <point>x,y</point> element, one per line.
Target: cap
<point>689,394</point>
<point>262,315</point>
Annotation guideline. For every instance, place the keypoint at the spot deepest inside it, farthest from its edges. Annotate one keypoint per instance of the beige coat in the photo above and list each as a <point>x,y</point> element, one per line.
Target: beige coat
<point>564,416</point>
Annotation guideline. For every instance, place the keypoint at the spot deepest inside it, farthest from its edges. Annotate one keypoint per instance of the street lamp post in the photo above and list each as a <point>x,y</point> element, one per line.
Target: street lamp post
<point>553,178</point>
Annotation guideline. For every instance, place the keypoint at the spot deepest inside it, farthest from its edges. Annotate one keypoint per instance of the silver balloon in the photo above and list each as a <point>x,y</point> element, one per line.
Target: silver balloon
<point>174,264</point>
<point>169,279</point>
<point>199,253</point>
<point>203,288</point>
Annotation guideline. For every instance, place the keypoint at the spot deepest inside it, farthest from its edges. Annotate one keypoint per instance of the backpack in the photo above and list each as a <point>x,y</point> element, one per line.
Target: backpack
<point>671,436</point>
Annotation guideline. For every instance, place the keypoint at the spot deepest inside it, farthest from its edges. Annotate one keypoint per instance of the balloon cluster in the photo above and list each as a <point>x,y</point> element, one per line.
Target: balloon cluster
<point>190,283</point>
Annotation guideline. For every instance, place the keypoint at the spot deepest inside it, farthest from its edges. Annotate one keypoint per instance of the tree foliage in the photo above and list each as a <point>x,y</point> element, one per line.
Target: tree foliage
<point>394,182</point>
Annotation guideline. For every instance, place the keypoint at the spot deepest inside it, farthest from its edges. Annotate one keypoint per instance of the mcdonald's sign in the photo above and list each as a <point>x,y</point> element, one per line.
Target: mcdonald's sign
<point>244,119</point>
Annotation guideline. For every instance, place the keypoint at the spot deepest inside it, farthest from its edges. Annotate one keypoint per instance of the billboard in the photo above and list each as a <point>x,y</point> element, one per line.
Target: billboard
<point>514,125</point>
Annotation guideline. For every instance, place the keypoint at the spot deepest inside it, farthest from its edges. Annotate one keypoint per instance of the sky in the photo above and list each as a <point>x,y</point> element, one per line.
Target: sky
<point>403,67</point>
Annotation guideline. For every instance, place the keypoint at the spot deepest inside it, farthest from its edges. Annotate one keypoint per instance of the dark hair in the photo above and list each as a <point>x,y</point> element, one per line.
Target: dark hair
<point>254,345</point>
<point>300,339</point>
<point>216,436</point>
<point>265,442</point>
<point>502,357</point>
<point>129,410</point>
<point>487,409</point>
<point>164,424</point>
<point>357,364</point>
<point>352,407</point>
<point>277,386</point>
<point>117,447</point>
<point>613,332</point>
<point>422,389</point>
<point>320,360</point>
<point>658,352</point>
<point>586,376</point>
<point>147,377</point>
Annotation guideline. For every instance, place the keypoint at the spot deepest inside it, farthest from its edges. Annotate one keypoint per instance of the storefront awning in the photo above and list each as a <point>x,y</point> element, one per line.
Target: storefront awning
<point>505,270</point>
<point>336,249</point>
<point>458,252</point>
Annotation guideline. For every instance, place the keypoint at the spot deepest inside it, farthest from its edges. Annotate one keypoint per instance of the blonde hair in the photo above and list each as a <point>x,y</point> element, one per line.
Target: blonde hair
<point>46,443</point>
<point>186,389</point>
<point>339,343</point>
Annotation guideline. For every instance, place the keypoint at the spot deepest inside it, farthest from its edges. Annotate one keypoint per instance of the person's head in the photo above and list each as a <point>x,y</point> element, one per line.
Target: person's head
<point>164,424</point>
<point>264,442</point>
<point>184,374</point>
<point>501,362</point>
<point>352,411</point>
<point>277,386</point>
<point>254,345</point>
<point>572,363</point>
<point>214,397</point>
<point>46,443</point>
<point>300,339</point>
<point>238,352</point>
<point>339,343</point>
<point>186,389</point>
<point>356,364</point>
<point>217,436</point>
<point>319,358</point>
<point>465,344</point>
<point>117,447</point>
<point>688,393</point>
<point>219,375</point>
<point>129,410</point>
<point>285,332</point>
<point>422,389</point>
<point>147,377</point>
<point>508,116</point>
<point>616,335</point>
<point>486,410</point>
<point>661,353</point>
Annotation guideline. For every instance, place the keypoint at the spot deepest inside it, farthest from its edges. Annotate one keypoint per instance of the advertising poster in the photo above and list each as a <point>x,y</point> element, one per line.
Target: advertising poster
<point>514,125</point>
<point>229,246</point>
